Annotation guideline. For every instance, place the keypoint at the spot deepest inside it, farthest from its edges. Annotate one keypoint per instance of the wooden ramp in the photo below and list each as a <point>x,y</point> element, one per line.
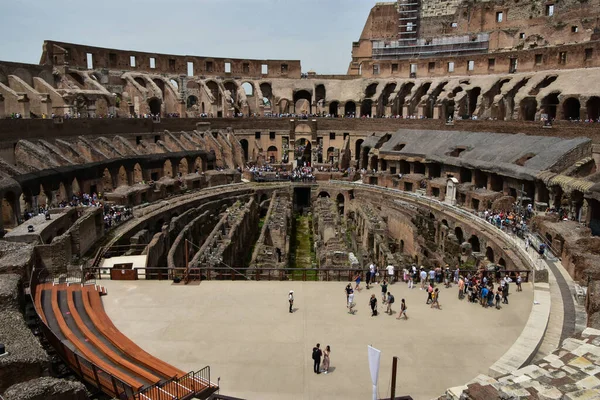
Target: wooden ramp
<point>103,356</point>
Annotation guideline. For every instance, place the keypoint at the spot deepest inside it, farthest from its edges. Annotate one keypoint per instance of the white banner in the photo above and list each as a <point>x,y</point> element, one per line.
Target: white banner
<point>374,356</point>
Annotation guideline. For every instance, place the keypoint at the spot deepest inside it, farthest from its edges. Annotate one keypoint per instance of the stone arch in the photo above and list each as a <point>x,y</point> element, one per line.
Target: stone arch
<point>572,109</point>
<point>244,144</point>
<point>284,106</point>
<point>301,98</point>
<point>191,101</point>
<point>174,83</point>
<point>385,97</point>
<point>460,236</point>
<point>371,90</point>
<point>550,104</point>
<point>183,166</point>
<point>350,109</point>
<point>366,107</point>
<point>340,199</point>
<point>122,177</point>
<point>140,81</point>
<point>160,83</point>
<point>475,245</point>
<point>593,108</point>
<point>168,168</point>
<point>472,97</point>
<point>374,162</point>
<point>320,93</point>
<point>330,154</point>
<point>248,88</point>
<point>213,87</point>
<point>155,105</point>
<point>528,108</point>
<point>502,262</point>
<point>333,108</point>
<point>357,146</point>
<point>272,154</point>
<point>489,254</point>
<point>107,182</point>
<point>232,87</point>
<point>323,193</point>
<point>138,176</point>
<point>267,92</point>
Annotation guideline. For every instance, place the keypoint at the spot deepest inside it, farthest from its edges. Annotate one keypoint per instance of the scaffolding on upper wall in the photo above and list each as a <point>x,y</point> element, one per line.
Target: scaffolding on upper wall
<point>409,12</point>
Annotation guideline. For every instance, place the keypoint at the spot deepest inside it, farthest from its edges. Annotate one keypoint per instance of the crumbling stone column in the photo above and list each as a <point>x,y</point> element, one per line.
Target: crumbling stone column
<point>23,106</point>
<point>2,107</point>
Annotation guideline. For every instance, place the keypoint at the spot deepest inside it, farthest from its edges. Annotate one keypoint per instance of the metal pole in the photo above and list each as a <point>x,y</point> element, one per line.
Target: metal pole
<point>394,368</point>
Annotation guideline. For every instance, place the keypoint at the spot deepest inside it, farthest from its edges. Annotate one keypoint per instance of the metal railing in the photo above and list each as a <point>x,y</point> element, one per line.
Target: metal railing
<point>282,274</point>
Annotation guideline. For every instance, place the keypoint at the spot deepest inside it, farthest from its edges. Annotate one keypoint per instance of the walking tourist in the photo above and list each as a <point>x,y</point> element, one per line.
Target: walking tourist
<point>423,276</point>
<point>435,299</point>
<point>390,301</point>
<point>348,290</point>
<point>373,305</point>
<point>390,272</point>
<point>291,299</point>
<point>351,303</point>
<point>383,291</point>
<point>402,310</point>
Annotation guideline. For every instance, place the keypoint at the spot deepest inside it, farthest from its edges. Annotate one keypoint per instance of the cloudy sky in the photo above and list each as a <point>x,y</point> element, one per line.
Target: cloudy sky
<point>317,32</point>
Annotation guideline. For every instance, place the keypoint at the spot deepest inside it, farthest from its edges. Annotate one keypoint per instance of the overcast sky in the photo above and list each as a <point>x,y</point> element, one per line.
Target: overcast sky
<point>317,32</point>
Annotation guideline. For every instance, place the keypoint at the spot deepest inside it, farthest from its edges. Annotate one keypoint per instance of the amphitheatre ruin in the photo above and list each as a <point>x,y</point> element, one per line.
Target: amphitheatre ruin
<point>157,209</point>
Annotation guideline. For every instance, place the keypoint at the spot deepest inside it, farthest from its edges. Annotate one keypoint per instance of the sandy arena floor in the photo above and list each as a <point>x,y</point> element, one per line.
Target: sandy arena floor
<point>244,331</point>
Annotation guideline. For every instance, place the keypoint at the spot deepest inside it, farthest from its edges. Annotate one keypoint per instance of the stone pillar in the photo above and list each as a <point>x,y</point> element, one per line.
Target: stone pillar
<point>412,167</point>
<point>340,109</point>
<point>388,111</point>
<point>23,106</point>
<point>489,182</point>
<point>405,111</point>
<point>437,112</point>
<point>358,109</point>
<point>374,110</point>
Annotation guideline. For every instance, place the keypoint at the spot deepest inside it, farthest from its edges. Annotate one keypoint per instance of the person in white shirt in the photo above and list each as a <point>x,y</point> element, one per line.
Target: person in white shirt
<point>351,303</point>
<point>423,277</point>
<point>390,271</point>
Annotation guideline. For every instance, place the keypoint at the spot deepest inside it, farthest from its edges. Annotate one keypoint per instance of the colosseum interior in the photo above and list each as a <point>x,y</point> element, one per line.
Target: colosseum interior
<point>463,135</point>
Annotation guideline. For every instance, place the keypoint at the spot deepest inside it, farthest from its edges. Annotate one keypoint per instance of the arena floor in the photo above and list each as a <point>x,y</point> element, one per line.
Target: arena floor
<point>244,331</point>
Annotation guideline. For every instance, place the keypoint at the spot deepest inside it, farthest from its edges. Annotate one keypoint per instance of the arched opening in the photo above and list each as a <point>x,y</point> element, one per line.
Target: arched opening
<point>364,162</point>
<point>284,106</point>
<point>302,102</point>
<point>231,87</point>
<point>550,104</point>
<point>272,154</point>
<point>303,151</point>
<point>528,108</point>
<point>174,83</point>
<point>489,254</point>
<point>214,91</point>
<point>340,203</point>
<point>371,90</point>
<point>448,108</point>
<point>324,194</point>
<point>191,101</point>
<point>359,143</point>
<point>140,82</point>
<point>571,109</point>
<point>160,83</point>
<point>267,93</point>
<point>473,96</point>
<point>365,108</point>
<point>248,88</point>
<point>350,109</point>
<point>374,162</point>
<point>9,216</point>
<point>244,144</point>
<point>62,194</point>
<point>183,166</point>
<point>460,237</point>
<point>385,98</point>
<point>593,108</point>
<point>333,108</point>
<point>122,177</point>
<point>138,177</point>
<point>502,262</point>
<point>474,241</point>
<point>330,155</point>
<point>320,93</point>
<point>107,183</point>
<point>154,105</point>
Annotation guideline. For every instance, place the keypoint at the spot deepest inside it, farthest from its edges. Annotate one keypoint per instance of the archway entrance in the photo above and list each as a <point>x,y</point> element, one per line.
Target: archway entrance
<point>549,105</point>
<point>333,108</point>
<point>365,108</point>
<point>244,144</point>
<point>340,202</point>
<point>272,154</point>
<point>474,240</point>
<point>571,108</point>
<point>359,143</point>
<point>303,151</point>
<point>350,109</point>
<point>593,108</point>
<point>528,108</point>
<point>154,105</point>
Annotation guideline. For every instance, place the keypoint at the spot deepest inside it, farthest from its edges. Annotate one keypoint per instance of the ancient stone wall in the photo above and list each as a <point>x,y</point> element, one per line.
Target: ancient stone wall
<point>331,242</point>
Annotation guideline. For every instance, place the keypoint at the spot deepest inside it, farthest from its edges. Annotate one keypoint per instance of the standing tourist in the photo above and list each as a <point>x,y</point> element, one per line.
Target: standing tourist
<point>326,359</point>
<point>435,299</point>
<point>316,356</point>
<point>383,291</point>
<point>291,299</point>
<point>390,301</point>
<point>402,310</point>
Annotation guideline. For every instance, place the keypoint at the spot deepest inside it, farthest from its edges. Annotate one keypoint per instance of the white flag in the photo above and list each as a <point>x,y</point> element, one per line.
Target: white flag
<point>374,356</point>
